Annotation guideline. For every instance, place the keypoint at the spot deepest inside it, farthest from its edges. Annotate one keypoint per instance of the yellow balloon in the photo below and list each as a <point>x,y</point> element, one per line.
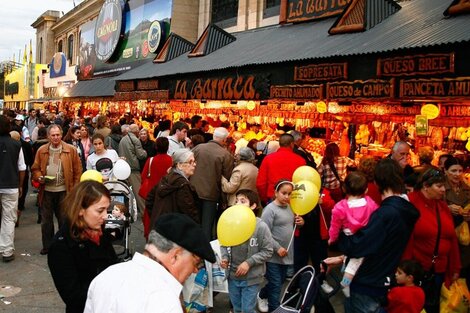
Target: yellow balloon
<point>236,225</point>
<point>92,175</point>
<point>304,198</point>
<point>307,173</point>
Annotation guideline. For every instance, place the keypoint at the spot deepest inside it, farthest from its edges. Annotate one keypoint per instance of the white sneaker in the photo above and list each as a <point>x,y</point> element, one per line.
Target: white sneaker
<point>346,291</point>
<point>326,287</point>
<point>262,304</point>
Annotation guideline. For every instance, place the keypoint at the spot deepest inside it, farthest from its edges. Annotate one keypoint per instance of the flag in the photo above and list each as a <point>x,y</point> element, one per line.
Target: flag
<point>30,51</point>
<point>25,57</point>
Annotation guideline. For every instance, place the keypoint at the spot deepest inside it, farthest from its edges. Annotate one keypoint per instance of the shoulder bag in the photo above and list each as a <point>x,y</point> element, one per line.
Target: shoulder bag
<point>146,185</point>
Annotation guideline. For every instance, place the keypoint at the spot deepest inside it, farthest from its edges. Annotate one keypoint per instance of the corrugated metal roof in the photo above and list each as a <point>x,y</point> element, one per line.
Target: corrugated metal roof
<point>420,23</point>
<point>102,87</point>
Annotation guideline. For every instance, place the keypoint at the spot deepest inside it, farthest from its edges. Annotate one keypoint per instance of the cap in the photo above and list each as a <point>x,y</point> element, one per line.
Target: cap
<point>19,117</point>
<point>185,232</point>
<point>104,164</point>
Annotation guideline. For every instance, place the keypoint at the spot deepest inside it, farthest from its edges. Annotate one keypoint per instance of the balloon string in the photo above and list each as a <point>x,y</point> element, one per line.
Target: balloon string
<point>291,237</point>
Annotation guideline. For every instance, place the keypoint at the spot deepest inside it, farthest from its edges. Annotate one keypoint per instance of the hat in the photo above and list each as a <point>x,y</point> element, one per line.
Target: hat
<point>185,232</point>
<point>19,117</point>
<point>246,154</point>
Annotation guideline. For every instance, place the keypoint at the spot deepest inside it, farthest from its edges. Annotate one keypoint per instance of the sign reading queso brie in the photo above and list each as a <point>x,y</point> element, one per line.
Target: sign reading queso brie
<point>109,27</point>
<point>421,64</point>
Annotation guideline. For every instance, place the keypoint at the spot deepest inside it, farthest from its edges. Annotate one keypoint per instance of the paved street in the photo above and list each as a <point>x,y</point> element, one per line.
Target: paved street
<point>26,284</point>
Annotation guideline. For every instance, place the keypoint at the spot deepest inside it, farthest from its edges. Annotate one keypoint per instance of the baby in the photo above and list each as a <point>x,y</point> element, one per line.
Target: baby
<point>119,212</point>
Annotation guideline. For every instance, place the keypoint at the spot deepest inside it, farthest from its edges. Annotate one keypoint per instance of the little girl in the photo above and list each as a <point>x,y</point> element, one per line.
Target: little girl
<point>280,220</point>
<point>407,297</point>
<point>349,215</point>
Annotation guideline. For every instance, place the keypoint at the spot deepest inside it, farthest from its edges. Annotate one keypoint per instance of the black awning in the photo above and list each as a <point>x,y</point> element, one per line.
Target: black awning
<point>101,87</point>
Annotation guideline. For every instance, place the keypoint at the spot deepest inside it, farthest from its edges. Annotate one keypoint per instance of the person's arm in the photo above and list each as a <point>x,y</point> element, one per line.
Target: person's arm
<point>337,219</point>
<point>262,182</point>
<point>145,171</point>
<point>187,203</point>
<point>65,274</point>
<point>367,240</point>
<point>265,243</point>
<point>231,186</point>
<point>21,172</point>
<point>227,166</point>
<point>268,217</point>
<point>36,167</point>
<point>76,166</point>
<point>139,151</point>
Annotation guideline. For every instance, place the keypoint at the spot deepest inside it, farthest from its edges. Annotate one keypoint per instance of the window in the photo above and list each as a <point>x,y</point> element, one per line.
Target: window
<point>70,49</point>
<point>40,50</point>
<point>224,13</point>
<point>59,46</point>
<point>271,8</point>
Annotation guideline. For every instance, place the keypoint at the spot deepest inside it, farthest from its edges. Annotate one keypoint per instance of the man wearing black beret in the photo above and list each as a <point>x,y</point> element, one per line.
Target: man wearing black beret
<point>153,281</point>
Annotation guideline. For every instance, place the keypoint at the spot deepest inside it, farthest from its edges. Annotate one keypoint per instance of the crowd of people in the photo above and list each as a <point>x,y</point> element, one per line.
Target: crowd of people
<point>393,224</point>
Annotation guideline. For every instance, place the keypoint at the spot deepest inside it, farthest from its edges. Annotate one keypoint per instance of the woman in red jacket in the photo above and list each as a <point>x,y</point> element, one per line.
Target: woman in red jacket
<point>435,220</point>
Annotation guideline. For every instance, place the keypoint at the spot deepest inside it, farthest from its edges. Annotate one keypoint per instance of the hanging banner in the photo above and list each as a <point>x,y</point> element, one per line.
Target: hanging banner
<point>435,87</point>
<point>421,123</point>
<point>308,92</point>
<point>421,64</point>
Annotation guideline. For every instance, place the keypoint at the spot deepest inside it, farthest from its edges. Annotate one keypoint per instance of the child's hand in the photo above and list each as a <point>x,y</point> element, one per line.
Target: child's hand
<point>224,263</point>
<point>282,252</point>
<point>242,269</point>
<point>299,220</point>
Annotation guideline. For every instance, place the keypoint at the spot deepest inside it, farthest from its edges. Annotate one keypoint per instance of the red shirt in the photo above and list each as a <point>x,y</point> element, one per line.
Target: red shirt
<point>160,165</point>
<point>373,192</point>
<point>405,299</point>
<point>275,166</point>
<point>423,239</point>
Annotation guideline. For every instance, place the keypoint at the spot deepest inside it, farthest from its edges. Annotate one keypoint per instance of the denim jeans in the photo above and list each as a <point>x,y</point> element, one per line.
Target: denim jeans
<point>208,216</point>
<point>358,303</point>
<point>275,275</point>
<point>243,297</point>
<point>9,205</point>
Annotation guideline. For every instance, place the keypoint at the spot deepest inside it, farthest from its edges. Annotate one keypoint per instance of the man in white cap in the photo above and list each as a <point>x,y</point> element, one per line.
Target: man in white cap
<point>153,281</point>
<point>213,161</point>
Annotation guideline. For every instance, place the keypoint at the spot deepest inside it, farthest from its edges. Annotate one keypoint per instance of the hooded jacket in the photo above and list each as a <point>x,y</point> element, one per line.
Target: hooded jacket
<point>382,243</point>
<point>174,193</point>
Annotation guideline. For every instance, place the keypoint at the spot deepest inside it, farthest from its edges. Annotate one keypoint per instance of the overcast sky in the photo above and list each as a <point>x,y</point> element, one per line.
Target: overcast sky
<point>16,20</point>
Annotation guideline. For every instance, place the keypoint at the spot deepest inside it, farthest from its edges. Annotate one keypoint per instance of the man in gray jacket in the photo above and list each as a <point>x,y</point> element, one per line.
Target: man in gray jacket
<point>131,149</point>
<point>212,162</point>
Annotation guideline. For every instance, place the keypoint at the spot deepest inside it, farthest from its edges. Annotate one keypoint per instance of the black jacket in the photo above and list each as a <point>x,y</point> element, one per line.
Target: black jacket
<point>174,193</point>
<point>9,154</point>
<point>381,243</point>
<point>74,264</point>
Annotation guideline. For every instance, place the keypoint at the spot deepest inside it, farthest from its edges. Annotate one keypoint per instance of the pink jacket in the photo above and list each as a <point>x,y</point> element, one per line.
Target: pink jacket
<point>351,216</point>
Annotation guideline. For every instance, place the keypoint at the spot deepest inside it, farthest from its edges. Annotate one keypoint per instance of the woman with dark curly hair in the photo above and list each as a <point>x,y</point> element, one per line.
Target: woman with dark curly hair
<point>367,167</point>
<point>333,170</point>
<point>80,249</point>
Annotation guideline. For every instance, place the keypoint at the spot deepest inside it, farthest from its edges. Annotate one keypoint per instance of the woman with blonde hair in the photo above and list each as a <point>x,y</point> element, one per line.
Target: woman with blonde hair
<point>80,249</point>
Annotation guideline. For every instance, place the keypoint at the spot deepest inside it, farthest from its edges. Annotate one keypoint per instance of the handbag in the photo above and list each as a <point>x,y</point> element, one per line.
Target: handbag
<point>456,298</point>
<point>146,185</point>
<point>431,290</point>
<point>463,234</point>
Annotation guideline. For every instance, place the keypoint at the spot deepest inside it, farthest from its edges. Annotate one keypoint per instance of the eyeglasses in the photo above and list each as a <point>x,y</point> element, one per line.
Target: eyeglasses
<point>190,162</point>
<point>198,262</point>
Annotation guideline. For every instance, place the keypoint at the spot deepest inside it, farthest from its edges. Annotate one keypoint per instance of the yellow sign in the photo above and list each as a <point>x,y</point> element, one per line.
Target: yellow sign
<point>430,110</point>
<point>321,107</point>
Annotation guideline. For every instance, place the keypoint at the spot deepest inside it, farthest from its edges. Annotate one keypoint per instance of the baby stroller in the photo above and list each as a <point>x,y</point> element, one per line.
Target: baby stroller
<point>303,293</point>
<point>118,224</point>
